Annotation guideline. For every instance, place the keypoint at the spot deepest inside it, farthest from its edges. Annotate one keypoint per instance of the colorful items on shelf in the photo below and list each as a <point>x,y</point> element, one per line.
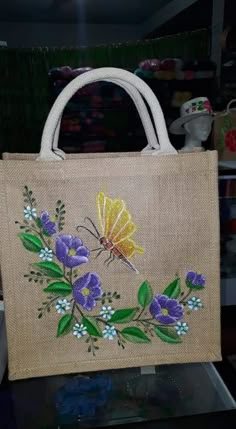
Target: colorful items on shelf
<point>150,65</point>
<point>95,114</point>
<point>180,97</point>
<point>175,68</point>
<point>67,73</point>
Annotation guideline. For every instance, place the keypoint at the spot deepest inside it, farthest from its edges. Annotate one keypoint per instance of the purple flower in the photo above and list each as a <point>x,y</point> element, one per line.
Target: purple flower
<point>86,289</point>
<point>166,310</point>
<point>70,251</point>
<point>48,223</point>
<point>195,280</point>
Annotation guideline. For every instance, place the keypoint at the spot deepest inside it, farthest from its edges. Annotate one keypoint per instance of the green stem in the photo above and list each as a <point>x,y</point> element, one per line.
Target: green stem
<point>140,314</point>
<point>99,319</point>
<point>29,198</point>
<point>121,339</point>
<point>64,275</point>
<point>105,322</point>
<point>34,277</point>
<point>92,345</point>
<point>50,303</point>
<point>142,320</point>
<point>156,324</point>
<point>186,296</point>
<point>44,241</point>
<point>80,312</point>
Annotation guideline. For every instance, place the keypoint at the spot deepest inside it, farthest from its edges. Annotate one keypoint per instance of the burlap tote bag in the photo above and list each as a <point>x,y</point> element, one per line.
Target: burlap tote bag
<point>112,261</point>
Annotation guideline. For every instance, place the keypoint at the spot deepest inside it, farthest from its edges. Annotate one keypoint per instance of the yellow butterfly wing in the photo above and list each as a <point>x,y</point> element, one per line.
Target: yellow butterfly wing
<point>128,248</point>
<point>117,225</point>
<point>119,221</point>
<point>104,205</point>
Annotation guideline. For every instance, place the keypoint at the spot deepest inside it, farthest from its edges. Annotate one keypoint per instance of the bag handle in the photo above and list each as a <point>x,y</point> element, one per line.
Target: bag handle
<point>46,152</point>
<point>229,109</point>
<point>143,113</point>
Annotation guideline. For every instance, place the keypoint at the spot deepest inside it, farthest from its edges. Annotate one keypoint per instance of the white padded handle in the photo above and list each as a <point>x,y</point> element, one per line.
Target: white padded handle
<point>143,113</point>
<point>46,152</point>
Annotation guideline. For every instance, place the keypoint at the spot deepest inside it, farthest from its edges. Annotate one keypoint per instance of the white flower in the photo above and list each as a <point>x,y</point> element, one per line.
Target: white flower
<point>181,328</point>
<point>106,312</point>
<point>109,332</point>
<point>79,330</point>
<point>46,254</point>
<point>194,303</point>
<point>30,213</point>
<point>62,306</point>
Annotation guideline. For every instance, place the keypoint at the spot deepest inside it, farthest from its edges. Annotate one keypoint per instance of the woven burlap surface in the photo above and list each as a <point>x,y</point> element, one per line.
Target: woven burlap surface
<point>173,200</point>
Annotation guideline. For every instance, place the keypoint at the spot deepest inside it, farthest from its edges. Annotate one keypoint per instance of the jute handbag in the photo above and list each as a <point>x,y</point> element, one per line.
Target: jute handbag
<point>109,261</point>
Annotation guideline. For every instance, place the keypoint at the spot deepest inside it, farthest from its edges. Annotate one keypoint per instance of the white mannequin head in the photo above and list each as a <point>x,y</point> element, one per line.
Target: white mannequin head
<point>199,128</point>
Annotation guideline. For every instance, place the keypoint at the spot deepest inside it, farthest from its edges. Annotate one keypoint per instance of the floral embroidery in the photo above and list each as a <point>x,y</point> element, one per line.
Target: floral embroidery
<point>48,223</point>
<point>62,306</point>
<point>86,309</point>
<point>106,312</point>
<point>195,280</point>
<point>181,328</point>
<point>166,310</point>
<point>207,105</point>
<point>109,332</point>
<point>79,330</point>
<point>70,251</point>
<point>200,106</point>
<point>194,303</point>
<point>30,213</point>
<point>46,254</point>
<point>86,289</point>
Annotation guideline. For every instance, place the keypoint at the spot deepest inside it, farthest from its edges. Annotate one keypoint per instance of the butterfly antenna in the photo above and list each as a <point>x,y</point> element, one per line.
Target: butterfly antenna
<point>91,232</point>
<point>90,220</point>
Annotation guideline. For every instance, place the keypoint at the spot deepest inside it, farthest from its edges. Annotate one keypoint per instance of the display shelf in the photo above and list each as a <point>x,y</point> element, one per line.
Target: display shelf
<point>129,398</point>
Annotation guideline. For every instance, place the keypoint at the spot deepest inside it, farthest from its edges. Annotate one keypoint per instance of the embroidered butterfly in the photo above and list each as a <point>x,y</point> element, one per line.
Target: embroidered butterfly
<point>116,228</point>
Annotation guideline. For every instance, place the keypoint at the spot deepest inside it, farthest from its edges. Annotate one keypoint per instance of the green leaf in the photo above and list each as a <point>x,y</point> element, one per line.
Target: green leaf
<point>38,222</point>
<point>65,325</point>
<point>60,288</point>
<point>145,294</point>
<point>193,287</point>
<point>124,315</point>
<point>31,242</point>
<point>173,290</point>
<point>92,326</point>
<point>135,335</point>
<point>50,269</point>
<point>167,335</point>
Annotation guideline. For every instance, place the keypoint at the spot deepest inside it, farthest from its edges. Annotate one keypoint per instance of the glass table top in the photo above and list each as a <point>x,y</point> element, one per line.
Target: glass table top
<point>114,397</point>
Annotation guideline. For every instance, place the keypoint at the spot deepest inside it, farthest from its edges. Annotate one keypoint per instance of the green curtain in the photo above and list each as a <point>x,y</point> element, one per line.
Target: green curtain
<point>24,92</point>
